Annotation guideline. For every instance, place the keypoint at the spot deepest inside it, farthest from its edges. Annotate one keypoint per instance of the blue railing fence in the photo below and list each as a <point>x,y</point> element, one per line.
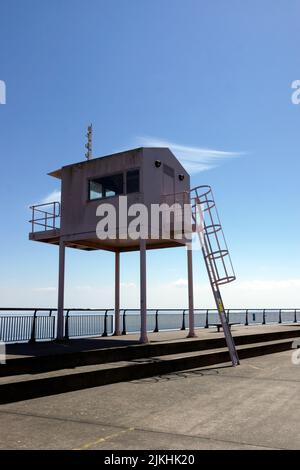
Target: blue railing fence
<point>39,324</point>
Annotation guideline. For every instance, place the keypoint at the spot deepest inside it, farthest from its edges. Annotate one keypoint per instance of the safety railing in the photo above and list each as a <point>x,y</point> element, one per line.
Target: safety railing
<point>45,216</point>
<point>39,324</point>
<point>178,319</point>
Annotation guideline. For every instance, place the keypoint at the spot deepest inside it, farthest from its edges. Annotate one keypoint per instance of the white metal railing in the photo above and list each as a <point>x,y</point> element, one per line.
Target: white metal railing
<point>35,324</point>
<point>46,216</point>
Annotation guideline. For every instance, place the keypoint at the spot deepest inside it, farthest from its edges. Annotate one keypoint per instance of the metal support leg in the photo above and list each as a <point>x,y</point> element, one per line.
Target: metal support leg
<point>117,294</point>
<point>61,291</point>
<point>192,333</point>
<point>143,295</point>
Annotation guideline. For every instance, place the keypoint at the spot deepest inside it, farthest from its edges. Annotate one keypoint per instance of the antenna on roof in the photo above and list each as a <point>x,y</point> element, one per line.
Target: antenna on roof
<point>88,145</point>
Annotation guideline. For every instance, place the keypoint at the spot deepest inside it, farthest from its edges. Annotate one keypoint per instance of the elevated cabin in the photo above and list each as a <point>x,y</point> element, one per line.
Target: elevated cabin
<point>145,175</point>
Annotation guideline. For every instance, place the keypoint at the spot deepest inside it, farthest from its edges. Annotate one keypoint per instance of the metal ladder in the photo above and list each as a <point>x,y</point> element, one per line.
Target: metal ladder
<point>215,253</point>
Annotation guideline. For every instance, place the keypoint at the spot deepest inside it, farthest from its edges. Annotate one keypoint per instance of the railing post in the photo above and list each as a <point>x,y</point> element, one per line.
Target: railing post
<point>295,316</point>
<point>280,317</point>
<point>206,319</point>
<point>61,290</point>
<point>32,220</point>
<point>247,318</point>
<point>191,333</point>
<point>117,294</point>
<point>124,323</point>
<point>143,291</point>
<point>156,330</point>
<point>183,320</point>
<point>32,337</point>
<point>58,214</point>
<point>66,336</point>
<point>2,321</point>
<point>53,326</point>
<point>105,324</point>
<point>264,317</point>
<point>227,315</point>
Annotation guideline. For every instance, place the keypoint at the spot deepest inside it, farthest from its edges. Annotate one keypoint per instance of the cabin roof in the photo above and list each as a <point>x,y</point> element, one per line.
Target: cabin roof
<point>57,173</point>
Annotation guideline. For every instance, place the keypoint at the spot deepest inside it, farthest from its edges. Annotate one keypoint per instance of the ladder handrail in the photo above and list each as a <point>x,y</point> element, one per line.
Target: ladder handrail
<point>212,230</point>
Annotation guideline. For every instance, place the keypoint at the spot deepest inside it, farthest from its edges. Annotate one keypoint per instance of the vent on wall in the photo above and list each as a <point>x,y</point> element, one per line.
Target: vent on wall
<point>169,171</point>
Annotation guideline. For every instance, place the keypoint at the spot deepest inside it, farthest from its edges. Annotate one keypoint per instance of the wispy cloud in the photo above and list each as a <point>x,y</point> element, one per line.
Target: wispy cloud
<point>268,285</point>
<point>51,197</point>
<point>259,293</point>
<point>54,196</point>
<point>180,283</point>
<point>45,289</point>
<point>194,159</point>
<point>128,285</point>
<point>86,288</point>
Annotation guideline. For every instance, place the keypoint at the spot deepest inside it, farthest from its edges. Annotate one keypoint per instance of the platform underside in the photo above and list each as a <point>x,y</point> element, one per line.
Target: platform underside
<point>91,242</point>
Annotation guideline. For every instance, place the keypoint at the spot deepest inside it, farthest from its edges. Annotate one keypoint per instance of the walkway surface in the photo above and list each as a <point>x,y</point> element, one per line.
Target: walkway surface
<point>89,344</point>
<point>253,406</point>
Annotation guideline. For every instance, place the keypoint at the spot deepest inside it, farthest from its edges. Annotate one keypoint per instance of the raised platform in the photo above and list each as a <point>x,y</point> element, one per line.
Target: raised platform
<point>52,348</point>
<point>42,369</point>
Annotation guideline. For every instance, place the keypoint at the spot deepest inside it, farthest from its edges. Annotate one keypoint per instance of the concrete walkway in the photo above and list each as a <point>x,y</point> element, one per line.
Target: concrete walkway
<point>253,406</point>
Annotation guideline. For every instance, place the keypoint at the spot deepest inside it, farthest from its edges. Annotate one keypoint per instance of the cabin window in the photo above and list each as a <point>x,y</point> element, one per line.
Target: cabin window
<point>106,186</point>
<point>132,181</point>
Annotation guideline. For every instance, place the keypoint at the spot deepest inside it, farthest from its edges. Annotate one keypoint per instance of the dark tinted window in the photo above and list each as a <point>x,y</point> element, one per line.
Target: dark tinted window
<point>106,186</point>
<point>133,181</point>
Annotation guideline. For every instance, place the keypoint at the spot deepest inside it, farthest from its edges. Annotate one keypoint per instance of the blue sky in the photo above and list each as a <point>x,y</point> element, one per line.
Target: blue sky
<point>204,74</point>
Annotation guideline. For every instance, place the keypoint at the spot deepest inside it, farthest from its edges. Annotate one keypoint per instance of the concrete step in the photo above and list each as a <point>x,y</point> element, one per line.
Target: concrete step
<point>28,386</point>
<point>45,363</point>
